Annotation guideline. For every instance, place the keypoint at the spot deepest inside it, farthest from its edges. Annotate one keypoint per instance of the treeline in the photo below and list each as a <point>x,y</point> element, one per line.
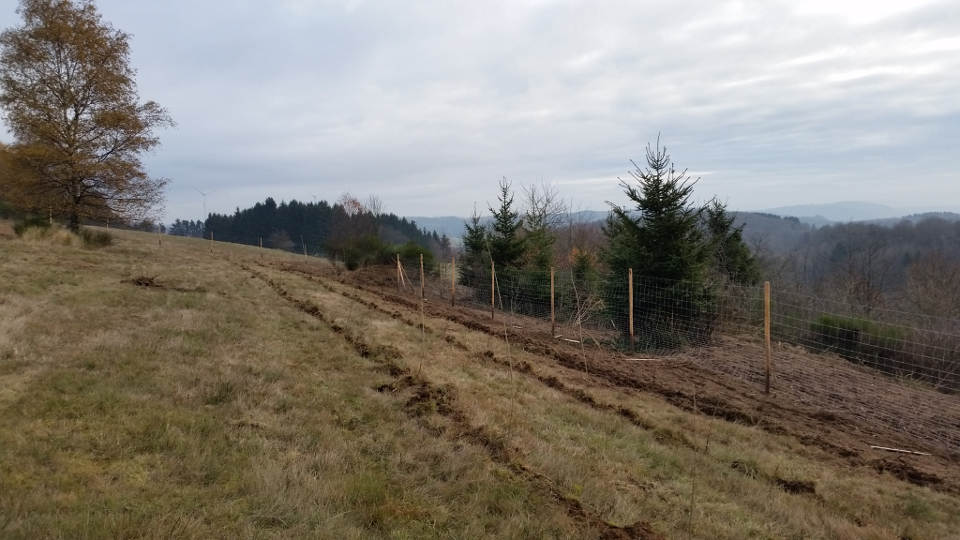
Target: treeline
<point>687,252</point>
<point>347,230</point>
<point>872,266</point>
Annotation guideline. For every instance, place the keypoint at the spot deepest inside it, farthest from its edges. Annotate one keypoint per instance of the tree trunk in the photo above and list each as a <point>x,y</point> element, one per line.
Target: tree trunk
<point>75,218</point>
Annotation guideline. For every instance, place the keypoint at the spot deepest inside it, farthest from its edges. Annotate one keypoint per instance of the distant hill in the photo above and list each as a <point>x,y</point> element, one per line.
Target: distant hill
<point>776,233</point>
<point>821,214</point>
<point>770,232</point>
<point>915,218</point>
<point>453,226</point>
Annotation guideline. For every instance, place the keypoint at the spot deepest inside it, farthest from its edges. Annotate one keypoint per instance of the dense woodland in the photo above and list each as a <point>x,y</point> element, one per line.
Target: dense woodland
<point>348,230</point>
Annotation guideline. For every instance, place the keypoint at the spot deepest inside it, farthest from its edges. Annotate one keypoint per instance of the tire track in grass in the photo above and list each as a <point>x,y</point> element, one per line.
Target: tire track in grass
<point>428,397</point>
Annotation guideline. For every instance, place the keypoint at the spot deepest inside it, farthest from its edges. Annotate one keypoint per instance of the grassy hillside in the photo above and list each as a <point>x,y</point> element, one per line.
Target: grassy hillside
<point>199,390</point>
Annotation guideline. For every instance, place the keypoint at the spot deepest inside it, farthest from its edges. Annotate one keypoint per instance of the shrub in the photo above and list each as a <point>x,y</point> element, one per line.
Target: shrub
<point>365,250</point>
<point>95,239</point>
<point>48,234</point>
<point>410,254</point>
<point>858,339</point>
<point>31,222</point>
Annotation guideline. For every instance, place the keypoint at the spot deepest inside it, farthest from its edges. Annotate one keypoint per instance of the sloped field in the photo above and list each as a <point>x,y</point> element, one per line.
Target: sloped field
<point>193,389</point>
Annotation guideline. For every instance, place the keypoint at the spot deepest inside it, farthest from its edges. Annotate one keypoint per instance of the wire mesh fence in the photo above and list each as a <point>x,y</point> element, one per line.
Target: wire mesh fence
<point>873,352</point>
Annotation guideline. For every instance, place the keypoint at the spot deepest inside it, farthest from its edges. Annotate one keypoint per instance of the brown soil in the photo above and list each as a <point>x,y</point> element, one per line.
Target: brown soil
<point>820,400</point>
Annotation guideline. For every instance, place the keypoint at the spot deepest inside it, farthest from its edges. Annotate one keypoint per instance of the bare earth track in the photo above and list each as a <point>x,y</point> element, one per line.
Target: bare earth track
<point>834,406</point>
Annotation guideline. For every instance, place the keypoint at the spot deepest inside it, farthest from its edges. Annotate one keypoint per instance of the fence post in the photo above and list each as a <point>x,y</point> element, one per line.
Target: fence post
<point>398,271</point>
<point>304,244</point>
<point>453,281</point>
<point>423,328</point>
<point>630,305</point>
<point>553,318</point>
<point>493,284</point>
<point>261,242</point>
<point>766,334</point>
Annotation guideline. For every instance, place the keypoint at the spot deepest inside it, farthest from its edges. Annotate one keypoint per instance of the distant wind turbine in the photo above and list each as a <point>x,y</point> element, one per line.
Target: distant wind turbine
<point>204,195</point>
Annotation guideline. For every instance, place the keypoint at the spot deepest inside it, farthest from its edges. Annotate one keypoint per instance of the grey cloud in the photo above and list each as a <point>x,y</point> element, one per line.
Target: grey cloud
<point>428,104</point>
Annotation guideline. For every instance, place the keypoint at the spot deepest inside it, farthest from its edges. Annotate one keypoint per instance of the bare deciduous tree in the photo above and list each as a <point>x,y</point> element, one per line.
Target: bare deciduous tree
<point>351,205</point>
<point>71,102</point>
<point>375,205</point>
<point>933,286</point>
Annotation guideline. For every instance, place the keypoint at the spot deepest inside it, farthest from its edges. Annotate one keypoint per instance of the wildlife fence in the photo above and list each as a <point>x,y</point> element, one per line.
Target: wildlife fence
<point>822,352</point>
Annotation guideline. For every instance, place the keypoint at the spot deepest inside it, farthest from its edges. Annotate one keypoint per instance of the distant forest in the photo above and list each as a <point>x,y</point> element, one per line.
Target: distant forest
<point>332,230</point>
<point>911,265</point>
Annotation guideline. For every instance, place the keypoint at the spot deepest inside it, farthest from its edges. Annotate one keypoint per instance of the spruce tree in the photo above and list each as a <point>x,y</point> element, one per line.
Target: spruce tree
<point>660,236</point>
<point>506,244</point>
<point>661,240</point>
<point>729,254</point>
<point>475,257</point>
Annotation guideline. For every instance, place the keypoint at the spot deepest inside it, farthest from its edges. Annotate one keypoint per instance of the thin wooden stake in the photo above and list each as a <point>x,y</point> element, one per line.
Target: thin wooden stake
<point>453,281</point>
<point>423,330</point>
<point>493,287</point>
<point>766,334</point>
<point>304,244</point>
<point>421,282</point>
<point>398,271</point>
<point>630,305</point>
<point>899,450</point>
<point>553,319</point>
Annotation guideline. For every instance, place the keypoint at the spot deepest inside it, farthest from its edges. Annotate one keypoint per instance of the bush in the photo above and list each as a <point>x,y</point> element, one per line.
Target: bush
<point>48,234</point>
<point>858,339</point>
<point>410,254</point>
<point>95,239</point>
<point>31,222</point>
<point>365,250</point>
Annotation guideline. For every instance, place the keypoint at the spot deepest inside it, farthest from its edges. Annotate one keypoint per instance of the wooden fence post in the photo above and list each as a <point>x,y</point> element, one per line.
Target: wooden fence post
<point>453,281</point>
<point>423,328</point>
<point>304,244</point>
<point>766,334</point>
<point>493,285</point>
<point>553,318</point>
<point>261,242</point>
<point>630,305</point>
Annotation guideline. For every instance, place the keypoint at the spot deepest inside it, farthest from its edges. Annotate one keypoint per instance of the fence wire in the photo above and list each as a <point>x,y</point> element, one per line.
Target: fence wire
<point>873,365</point>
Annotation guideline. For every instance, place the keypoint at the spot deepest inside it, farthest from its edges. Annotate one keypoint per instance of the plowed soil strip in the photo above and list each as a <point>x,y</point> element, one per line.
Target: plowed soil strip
<point>446,406</point>
<point>938,473</point>
<point>578,394</point>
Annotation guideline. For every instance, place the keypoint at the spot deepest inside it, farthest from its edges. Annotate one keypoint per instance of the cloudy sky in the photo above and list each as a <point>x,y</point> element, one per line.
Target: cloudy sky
<point>428,104</point>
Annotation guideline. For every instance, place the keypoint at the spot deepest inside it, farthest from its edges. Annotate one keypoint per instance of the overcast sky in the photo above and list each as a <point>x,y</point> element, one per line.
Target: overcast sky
<point>428,104</point>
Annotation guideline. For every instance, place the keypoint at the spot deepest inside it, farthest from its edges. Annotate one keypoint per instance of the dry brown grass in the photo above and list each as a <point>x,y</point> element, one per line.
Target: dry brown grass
<point>207,405</point>
<point>748,482</point>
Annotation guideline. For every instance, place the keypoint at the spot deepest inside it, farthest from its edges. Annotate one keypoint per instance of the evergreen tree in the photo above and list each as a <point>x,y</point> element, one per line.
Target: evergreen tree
<point>475,257</point>
<point>506,245</point>
<point>729,254</point>
<point>661,240</point>
<point>660,237</point>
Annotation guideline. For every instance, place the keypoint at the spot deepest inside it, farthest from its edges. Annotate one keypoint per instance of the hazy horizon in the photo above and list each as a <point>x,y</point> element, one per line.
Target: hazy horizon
<point>772,104</point>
